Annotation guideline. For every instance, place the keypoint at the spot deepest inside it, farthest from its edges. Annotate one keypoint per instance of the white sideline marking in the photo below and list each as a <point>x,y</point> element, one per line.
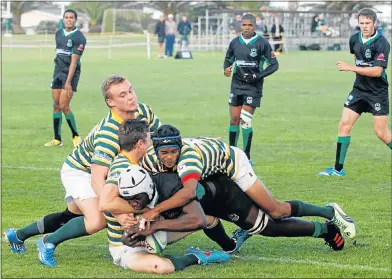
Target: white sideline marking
<point>312,262</point>
<point>29,168</point>
<point>257,258</point>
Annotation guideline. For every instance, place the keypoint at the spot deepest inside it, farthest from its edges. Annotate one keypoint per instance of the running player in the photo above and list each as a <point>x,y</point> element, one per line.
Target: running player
<point>370,90</point>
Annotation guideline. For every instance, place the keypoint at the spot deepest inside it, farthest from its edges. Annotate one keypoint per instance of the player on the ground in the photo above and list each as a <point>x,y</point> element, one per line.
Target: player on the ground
<point>223,199</point>
<point>245,57</point>
<point>70,45</point>
<point>370,90</point>
<point>134,138</point>
<point>84,174</point>
<point>195,159</point>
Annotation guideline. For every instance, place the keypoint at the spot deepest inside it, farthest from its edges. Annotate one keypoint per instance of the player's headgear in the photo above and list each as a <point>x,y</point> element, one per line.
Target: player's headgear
<point>135,180</point>
<point>166,136</point>
<point>71,11</point>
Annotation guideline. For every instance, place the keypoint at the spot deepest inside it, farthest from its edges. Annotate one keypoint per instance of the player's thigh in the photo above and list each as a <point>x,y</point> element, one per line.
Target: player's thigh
<point>349,117</point>
<point>173,237</point>
<point>78,190</point>
<point>65,98</point>
<point>74,208</point>
<point>56,96</point>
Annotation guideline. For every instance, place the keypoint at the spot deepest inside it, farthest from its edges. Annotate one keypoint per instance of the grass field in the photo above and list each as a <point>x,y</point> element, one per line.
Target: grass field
<point>294,138</point>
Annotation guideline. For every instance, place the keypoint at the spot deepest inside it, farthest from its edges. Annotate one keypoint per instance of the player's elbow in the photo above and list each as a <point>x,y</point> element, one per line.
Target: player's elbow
<point>378,73</point>
<point>103,205</point>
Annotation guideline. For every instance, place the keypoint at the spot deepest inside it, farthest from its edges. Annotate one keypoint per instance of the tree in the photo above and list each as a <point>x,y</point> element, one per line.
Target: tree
<point>17,9</point>
<point>94,10</point>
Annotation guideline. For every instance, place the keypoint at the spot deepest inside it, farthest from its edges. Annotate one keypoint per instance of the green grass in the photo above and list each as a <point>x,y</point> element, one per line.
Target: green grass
<point>295,137</point>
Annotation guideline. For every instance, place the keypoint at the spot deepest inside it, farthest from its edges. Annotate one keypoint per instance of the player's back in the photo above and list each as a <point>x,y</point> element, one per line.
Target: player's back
<point>100,146</point>
<point>216,156</point>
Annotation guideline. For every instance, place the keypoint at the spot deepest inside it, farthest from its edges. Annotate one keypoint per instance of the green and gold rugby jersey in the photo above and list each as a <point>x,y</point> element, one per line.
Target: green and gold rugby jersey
<point>199,158</point>
<point>113,228</point>
<point>101,145</point>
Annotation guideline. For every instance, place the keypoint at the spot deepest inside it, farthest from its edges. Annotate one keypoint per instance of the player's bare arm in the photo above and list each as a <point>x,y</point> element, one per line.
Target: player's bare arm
<point>71,72</point>
<point>182,197</point>
<point>365,71</point>
<point>98,178</point>
<point>193,218</point>
<point>110,201</point>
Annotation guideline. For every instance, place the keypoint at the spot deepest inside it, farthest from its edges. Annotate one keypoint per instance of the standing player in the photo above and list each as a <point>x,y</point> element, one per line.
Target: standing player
<point>370,90</point>
<point>70,44</point>
<point>248,52</point>
<point>84,174</point>
<point>195,159</point>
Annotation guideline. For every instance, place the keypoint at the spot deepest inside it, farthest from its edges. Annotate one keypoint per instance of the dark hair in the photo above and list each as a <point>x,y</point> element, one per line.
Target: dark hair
<point>166,136</point>
<point>71,11</point>
<point>130,132</point>
<point>249,17</point>
<point>367,13</point>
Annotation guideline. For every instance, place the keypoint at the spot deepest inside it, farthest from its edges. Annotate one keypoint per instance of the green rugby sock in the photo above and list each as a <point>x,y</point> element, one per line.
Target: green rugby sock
<point>300,208</point>
<point>234,132</point>
<point>181,262</point>
<point>341,151</point>
<point>72,124</point>
<point>57,121</point>
<point>73,229</point>
<point>319,228</point>
<point>247,135</point>
<point>28,231</point>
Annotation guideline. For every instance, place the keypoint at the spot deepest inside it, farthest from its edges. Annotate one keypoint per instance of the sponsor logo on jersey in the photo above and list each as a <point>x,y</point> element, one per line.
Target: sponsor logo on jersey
<point>363,63</point>
<point>381,57</point>
<point>249,100</point>
<point>69,43</point>
<point>242,63</point>
<point>368,53</point>
<point>80,47</point>
<point>273,54</point>
<point>377,106</point>
<point>253,52</point>
<point>182,168</point>
<point>102,156</point>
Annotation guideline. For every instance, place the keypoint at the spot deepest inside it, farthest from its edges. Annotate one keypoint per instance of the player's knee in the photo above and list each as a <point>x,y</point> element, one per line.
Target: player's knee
<point>64,108</point>
<point>95,223</point>
<point>380,132</point>
<point>246,119</point>
<point>345,125</point>
<point>56,106</point>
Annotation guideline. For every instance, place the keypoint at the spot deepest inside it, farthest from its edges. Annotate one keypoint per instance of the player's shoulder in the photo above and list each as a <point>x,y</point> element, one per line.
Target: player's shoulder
<point>59,32</point>
<point>355,37</point>
<point>261,40</point>
<point>235,41</point>
<point>381,40</point>
<point>80,34</point>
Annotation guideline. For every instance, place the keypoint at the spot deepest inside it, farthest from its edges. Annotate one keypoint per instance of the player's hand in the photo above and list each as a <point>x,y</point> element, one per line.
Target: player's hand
<point>149,216</point>
<point>343,66</point>
<point>126,220</point>
<point>68,89</point>
<point>127,239</point>
<point>228,71</point>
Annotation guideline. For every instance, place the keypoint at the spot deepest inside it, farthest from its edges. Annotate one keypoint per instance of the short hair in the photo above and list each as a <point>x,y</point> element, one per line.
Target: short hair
<point>131,131</point>
<point>71,11</point>
<point>108,82</point>
<point>249,17</point>
<point>367,13</point>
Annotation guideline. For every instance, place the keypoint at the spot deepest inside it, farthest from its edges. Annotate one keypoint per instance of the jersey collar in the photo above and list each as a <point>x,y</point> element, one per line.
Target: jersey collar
<point>130,159</point>
<point>116,117</point>
<point>370,40</point>
<point>250,41</point>
<point>69,33</point>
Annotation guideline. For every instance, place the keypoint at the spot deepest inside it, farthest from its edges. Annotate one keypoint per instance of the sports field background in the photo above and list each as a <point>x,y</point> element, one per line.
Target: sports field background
<point>294,138</point>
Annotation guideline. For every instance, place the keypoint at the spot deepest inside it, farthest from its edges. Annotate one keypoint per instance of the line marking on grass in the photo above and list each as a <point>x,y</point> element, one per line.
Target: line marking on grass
<point>29,168</point>
<point>313,262</point>
<point>256,258</point>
